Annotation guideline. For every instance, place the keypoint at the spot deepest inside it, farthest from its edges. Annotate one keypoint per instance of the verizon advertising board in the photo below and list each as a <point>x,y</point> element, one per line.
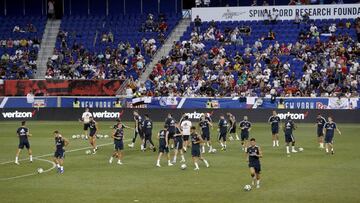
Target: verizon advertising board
<point>126,114</point>
<point>330,11</point>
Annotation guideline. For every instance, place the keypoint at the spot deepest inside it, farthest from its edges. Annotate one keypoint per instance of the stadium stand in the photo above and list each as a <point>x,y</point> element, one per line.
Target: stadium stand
<point>261,58</point>
<point>19,45</point>
<point>113,47</point>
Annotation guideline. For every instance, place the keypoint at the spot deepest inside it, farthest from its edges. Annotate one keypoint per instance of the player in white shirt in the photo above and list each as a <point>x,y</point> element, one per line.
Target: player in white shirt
<point>185,128</point>
<point>85,118</point>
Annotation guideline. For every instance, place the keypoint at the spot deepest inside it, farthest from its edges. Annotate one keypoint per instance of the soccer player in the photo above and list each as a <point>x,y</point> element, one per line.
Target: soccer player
<point>254,154</point>
<point>59,155</point>
<point>185,128</point>
<point>289,127</point>
<point>23,134</point>
<point>170,127</point>
<point>163,137</point>
<point>85,118</point>
<point>245,126</point>
<point>147,129</point>
<point>329,129</point>
<point>93,126</point>
<point>118,136</point>
<point>232,127</point>
<point>196,140</point>
<point>178,141</point>
<point>274,120</point>
<point>138,130</point>
<point>222,128</point>
<point>320,122</point>
<point>205,125</point>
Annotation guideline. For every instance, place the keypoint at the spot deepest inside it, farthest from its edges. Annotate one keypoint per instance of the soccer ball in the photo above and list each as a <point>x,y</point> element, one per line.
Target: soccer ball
<point>247,187</point>
<point>40,170</point>
<point>183,166</point>
<point>106,136</point>
<point>213,150</point>
<point>301,149</point>
<point>73,136</point>
<point>78,136</point>
<point>82,136</point>
<point>101,136</point>
<point>88,152</point>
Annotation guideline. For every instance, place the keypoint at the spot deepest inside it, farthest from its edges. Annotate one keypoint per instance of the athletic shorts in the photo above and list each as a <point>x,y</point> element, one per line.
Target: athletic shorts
<point>195,151</point>
<point>140,133</point>
<point>274,131</point>
<point>232,130</point>
<point>186,137</point>
<point>59,154</point>
<point>92,133</point>
<point>24,143</point>
<point>329,139</point>
<point>205,136</point>
<point>244,135</point>
<point>118,145</point>
<point>86,126</point>
<point>256,166</point>
<point>171,135</point>
<point>289,138</point>
<point>222,136</point>
<point>178,142</point>
<point>320,133</point>
<point>163,149</point>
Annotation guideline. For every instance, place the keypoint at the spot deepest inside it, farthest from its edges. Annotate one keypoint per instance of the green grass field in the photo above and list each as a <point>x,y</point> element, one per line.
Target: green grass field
<point>310,176</point>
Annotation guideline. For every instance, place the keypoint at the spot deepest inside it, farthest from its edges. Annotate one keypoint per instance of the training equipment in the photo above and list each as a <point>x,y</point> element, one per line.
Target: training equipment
<point>183,166</point>
<point>301,149</point>
<point>88,152</point>
<point>73,136</point>
<point>40,170</point>
<point>78,136</point>
<point>82,136</point>
<point>247,187</point>
<point>106,136</point>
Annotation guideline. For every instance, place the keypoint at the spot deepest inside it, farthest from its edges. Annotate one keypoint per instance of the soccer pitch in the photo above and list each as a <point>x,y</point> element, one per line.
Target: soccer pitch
<point>309,176</point>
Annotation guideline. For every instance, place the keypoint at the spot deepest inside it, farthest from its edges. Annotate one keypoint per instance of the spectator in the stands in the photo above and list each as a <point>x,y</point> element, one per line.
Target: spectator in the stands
<point>254,3</point>
<point>265,3</point>
<point>332,28</point>
<point>274,15</point>
<point>197,23</point>
<point>51,9</point>
<point>292,3</point>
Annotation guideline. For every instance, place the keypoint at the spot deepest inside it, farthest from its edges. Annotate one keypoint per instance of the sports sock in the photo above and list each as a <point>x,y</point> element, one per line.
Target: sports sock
<point>62,167</point>
<point>321,144</point>
<point>58,165</point>
<point>277,142</point>
<point>175,158</point>
<point>158,162</point>
<point>222,145</point>
<point>169,162</point>
<point>206,163</point>
<point>31,158</point>
<point>327,150</point>
<point>287,149</point>
<point>210,148</point>
<point>274,143</point>
<point>203,148</point>
<point>16,159</point>
<point>292,147</point>
<point>182,157</point>
<point>258,182</point>
<point>111,158</point>
<point>196,165</point>
<point>207,144</point>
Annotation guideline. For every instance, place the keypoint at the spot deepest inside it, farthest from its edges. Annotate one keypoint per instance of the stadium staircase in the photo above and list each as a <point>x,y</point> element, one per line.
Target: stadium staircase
<point>47,46</point>
<point>175,35</point>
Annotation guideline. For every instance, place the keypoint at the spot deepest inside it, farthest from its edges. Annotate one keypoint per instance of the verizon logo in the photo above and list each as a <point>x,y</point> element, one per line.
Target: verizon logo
<point>107,114</point>
<point>194,115</point>
<point>18,114</point>
<point>294,116</point>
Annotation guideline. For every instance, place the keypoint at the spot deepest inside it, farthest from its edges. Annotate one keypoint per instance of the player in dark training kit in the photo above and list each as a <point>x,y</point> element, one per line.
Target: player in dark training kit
<point>320,122</point>
<point>196,140</point>
<point>23,134</point>
<point>245,127</point>
<point>205,125</point>
<point>147,129</point>
<point>254,154</point>
<point>118,136</point>
<point>93,126</point>
<point>59,155</point>
<point>329,129</point>
<point>274,120</point>
<point>289,127</point>
<point>163,137</point>
<point>138,130</point>
<point>232,127</point>
<point>171,128</point>
<point>223,125</point>
<point>178,142</point>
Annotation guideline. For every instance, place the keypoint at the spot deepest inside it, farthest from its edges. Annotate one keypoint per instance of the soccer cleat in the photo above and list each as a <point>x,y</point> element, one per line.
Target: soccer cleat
<point>257,186</point>
<point>158,165</point>
<point>170,164</point>
<point>131,145</point>
<point>119,162</point>
<point>154,149</point>
<point>196,169</point>
<point>17,163</point>
<point>332,152</point>
<point>294,151</point>
<point>110,160</point>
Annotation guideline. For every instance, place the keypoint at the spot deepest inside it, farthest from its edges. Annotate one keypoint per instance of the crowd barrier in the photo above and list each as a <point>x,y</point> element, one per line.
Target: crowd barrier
<point>126,114</point>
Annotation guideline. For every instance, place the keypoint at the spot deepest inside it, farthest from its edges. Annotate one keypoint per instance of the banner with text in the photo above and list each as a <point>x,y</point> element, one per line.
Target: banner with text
<point>330,11</point>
